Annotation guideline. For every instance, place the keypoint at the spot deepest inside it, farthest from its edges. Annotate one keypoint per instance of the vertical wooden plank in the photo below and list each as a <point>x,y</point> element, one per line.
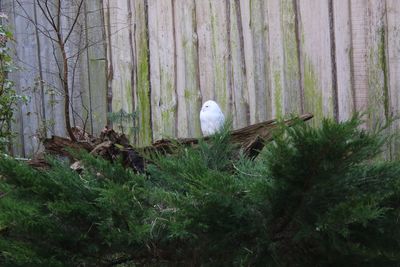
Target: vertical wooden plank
<point>96,65</point>
<point>259,29</point>
<point>377,62</point>
<point>109,59</point>
<point>255,30</point>
<point>71,48</point>
<point>393,51</point>
<point>162,68</point>
<point>78,76</point>
<point>284,62</point>
<point>240,94</point>
<point>342,30</point>
<point>316,56</point>
<point>393,35</point>
<point>142,83</point>
<point>369,59</point>
<point>54,62</point>
<point>292,94</point>
<point>359,52</point>
<point>276,47</point>
<point>51,66</point>
<point>188,88</point>
<point>27,59</point>
<point>121,76</point>
<point>78,70</point>
<point>205,56</point>
<point>213,52</point>
<point>249,58</point>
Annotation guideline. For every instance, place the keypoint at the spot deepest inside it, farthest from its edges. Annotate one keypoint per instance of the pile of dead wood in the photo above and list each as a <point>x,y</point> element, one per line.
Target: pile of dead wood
<point>111,145</point>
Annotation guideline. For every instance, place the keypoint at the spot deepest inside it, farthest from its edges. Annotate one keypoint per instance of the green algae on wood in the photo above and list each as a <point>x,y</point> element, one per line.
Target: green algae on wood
<point>312,93</point>
<point>143,108</point>
<point>163,68</point>
<point>239,92</point>
<point>291,86</point>
<point>187,82</point>
<point>278,94</point>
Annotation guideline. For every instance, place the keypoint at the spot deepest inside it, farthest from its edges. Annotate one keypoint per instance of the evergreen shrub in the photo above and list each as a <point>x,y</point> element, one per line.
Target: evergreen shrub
<point>315,196</point>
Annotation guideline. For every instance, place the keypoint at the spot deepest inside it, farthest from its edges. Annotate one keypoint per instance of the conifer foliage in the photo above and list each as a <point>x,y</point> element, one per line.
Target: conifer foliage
<point>313,197</point>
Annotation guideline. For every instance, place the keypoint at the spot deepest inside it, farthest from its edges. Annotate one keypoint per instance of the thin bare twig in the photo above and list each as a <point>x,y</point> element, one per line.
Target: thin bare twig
<point>74,23</point>
<point>33,22</point>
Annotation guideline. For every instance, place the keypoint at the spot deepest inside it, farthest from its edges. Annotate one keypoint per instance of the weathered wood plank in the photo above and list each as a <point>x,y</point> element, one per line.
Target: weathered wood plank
<point>213,52</point>
<point>316,57</point>
<point>342,31</point>
<point>378,109</point>
<point>96,65</point>
<point>249,58</point>
<point>393,44</point>
<point>393,62</point>
<point>187,69</point>
<point>276,58</point>
<point>259,27</point>
<point>162,68</point>
<point>142,72</point>
<point>27,60</point>
<point>359,53</point>
<point>51,66</point>
<point>121,76</point>
<point>239,92</point>
<point>258,59</point>
<point>284,62</point>
<point>255,32</point>
<point>370,61</point>
<point>293,95</point>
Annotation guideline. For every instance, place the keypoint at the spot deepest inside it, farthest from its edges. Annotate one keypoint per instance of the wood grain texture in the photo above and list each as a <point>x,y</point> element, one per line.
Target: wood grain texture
<point>27,58</point>
<point>163,58</point>
<point>213,50</point>
<point>276,68</point>
<point>249,58</point>
<point>259,32</point>
<point>377,62</point>
<point>292,87</point>
<point>121,79</point>
<point>187,69</point>
<point>393,51</point>
<point>359,52</point>
<point>239,88</point>
<point>316,58</point>
<point>96,60</point>
<point>284,60</point>
<point>393,68</point>
<point>343,39</point>
<point>142,70</point>
<point>162,68</point>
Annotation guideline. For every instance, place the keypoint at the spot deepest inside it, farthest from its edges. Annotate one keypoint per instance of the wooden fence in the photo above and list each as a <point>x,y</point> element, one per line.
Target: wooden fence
<point>163,58</point>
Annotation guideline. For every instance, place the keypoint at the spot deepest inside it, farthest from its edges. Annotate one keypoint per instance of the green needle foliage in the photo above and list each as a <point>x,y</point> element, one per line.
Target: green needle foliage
<point>313,197</point>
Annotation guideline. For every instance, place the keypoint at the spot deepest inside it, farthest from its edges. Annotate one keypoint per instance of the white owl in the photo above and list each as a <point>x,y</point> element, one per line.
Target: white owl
<point>211,118</point>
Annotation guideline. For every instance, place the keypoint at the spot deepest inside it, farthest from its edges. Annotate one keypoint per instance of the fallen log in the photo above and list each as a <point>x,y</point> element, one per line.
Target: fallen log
<point>111,145</point>
<point>250,139</point>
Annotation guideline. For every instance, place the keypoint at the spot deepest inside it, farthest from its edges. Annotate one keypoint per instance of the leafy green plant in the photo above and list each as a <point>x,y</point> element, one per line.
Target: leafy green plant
<point>8,96</point>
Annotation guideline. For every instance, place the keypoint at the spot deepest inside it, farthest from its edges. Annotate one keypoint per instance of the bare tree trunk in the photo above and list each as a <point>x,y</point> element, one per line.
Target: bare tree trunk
<point>65,86</point>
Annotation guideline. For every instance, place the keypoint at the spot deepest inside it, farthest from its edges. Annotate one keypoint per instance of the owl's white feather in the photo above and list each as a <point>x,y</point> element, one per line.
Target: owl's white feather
<point>211,118</point>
